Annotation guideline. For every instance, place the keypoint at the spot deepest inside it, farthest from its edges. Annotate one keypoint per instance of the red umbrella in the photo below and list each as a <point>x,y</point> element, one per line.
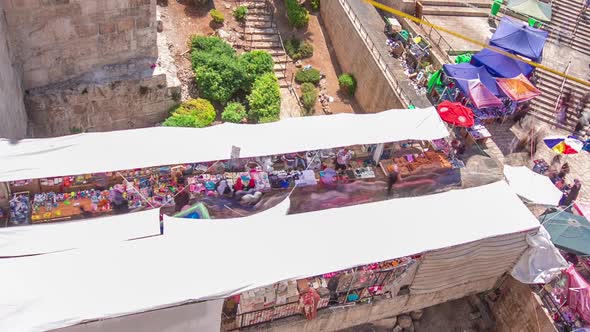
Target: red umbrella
<point>455,114</point>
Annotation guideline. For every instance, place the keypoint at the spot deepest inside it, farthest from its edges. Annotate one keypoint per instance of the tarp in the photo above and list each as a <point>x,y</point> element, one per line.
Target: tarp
<point>541,262</point>
<point>578,293</point>
<point>129,149</point>
<point>533,187</point>
<point>500,65</point>
<point>456,114</point>
<point>533,8</point>
<point>463,72</point>
<point>519,88</point>
<point>481,96</point>
<point>217,259</point>
<point>519,38</point>
<point>59,236</point>
<point>568,231</point>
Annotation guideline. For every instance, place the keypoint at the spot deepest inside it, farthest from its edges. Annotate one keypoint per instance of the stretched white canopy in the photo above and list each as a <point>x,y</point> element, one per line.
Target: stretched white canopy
<point>41,239</point>
<point>532,186</point>
<point>129,149</point>
<point>213,259</point>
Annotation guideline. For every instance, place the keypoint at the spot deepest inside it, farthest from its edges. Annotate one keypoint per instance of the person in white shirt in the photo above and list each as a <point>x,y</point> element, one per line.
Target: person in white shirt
<point>342,159</point>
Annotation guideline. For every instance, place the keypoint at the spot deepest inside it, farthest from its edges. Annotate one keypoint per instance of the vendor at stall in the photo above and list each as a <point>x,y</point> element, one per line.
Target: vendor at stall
<point>343,158</point>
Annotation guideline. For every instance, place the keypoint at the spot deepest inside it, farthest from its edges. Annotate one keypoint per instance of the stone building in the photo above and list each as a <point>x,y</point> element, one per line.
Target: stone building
<point>82,65</point>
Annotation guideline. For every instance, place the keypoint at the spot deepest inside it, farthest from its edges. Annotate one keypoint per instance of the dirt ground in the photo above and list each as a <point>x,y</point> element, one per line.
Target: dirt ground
<point>323,59</point>
<point>181,21</point>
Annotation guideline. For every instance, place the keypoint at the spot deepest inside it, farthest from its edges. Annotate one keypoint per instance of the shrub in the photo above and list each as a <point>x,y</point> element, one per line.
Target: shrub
<point>297,15</point>
<point>255,64</point>
<point>311,75</point>
<point>347,83</point>
<point>309,96</point>
<point>217,16</point>
<point>234,112</point>
<point>192,113</point>
<point>217,72</point>
<point>297,49</point>
<point>265,99</point>
<point>315,4</point>
<point>240,13</point>
<point>212,44</point>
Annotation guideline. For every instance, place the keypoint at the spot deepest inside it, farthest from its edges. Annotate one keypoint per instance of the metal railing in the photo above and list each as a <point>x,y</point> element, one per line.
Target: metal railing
<point>432,35</point>
<point>393,81</point>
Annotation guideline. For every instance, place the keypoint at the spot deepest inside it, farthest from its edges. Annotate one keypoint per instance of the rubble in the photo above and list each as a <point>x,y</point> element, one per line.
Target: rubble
<point>404,321</point>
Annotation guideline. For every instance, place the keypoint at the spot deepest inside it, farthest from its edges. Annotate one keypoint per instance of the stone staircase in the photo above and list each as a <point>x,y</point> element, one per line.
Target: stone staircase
<point>471,8</point>
<point>261,33</point>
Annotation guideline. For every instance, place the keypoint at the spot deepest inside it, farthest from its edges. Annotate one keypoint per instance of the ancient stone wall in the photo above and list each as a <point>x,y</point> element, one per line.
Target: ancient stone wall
<point>57,40</point>
<point>519,309</point>
<point>13,118</point>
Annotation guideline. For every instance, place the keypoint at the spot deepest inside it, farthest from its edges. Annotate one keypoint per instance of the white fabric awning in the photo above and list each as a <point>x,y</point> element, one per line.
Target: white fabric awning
<point>129,149</point>
<point>60,236</point>
<point>533,187</point>
<point>213,259</point>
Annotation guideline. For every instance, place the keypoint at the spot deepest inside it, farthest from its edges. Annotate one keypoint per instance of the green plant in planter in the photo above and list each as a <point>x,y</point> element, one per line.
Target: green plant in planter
<point>309,97</point>
<point>240,13</point>
<point>217,16</point>
<point>192,113</point>
<point>347,83</point>
<point>311,75</point>
<point>234,112</point>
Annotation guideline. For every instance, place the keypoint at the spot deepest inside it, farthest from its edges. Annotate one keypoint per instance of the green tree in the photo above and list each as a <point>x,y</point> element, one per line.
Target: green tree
<point>234,112</point>
<point>309,97</point>
<point>265,99</point>
<point>192,113</point>
<point>297,49</point>
<point>212,44</point>
<point>347,83</point>
<point>255,64</point>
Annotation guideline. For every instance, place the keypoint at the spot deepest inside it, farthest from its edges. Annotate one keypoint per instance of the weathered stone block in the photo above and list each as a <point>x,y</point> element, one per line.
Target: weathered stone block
<point>126,24</point>
<point>106,28</point>
<point>86,30</point>
<point>142,22</point>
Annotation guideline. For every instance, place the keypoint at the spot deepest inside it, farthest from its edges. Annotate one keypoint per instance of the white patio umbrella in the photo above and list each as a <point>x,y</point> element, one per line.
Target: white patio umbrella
<point>533,187</point>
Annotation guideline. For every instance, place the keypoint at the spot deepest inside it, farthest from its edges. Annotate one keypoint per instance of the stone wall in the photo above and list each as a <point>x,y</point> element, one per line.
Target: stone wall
<point>13,118</point>
<point>373,92</point>
<point>519,309</point>
<point>57,40</point>
<point>406,6</point>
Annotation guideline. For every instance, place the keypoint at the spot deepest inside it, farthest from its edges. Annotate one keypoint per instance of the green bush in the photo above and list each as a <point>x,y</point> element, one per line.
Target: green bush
<point>265,99</point>
<point>213,45</point>
<point>234,112</point>
<point>192,113</point>
<point>309,96</point>
<point>315,4</point>
<point>297,15</point>
<point>240,13</point>
<point>217,16</point>
<point>347,83</point>
<point>297,49</point>
<point>217,72</point>
<point>311,75</point>
<point>255,64</point>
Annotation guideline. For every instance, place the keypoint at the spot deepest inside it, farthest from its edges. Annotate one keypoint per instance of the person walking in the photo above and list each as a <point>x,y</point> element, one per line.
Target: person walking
<point>583,121</point>
<point>394,176</point>
<point>572,194</point>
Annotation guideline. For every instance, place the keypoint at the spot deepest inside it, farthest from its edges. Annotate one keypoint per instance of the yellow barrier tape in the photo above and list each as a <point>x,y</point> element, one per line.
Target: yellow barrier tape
<point>476,42</point>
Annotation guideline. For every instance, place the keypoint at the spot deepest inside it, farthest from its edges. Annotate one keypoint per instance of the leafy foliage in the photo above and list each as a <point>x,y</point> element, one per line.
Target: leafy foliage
<point>255,64</point>
<point>311,75</point>
<point>217,72</point>
<point>240,13</point>
<point>234,112</point>
<point>315,4</point>
<point>309,96</point>
<point>297,49</point>
<point>347,83</point>
<point>217,16</point>
<point>265,99</point>
<point>297,15</point>
<point>192,113</point>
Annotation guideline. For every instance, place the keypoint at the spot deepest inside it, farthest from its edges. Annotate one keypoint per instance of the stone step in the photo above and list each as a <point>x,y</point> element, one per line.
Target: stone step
<point>455,11</point>
<point>458,3</point>
<point>261,31</point>
<point>267,38</point>
<point>257,4</point>
<point>280,59</point>
<point>265,45</point>
<point>279,67</point>
<point>252,18</point>
<point>259,24</point>
<point>258,12</point>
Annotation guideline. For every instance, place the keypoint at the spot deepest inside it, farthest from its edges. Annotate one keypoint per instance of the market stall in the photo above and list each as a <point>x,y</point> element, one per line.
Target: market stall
<point>519,38</point>
<point>499,65</point>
